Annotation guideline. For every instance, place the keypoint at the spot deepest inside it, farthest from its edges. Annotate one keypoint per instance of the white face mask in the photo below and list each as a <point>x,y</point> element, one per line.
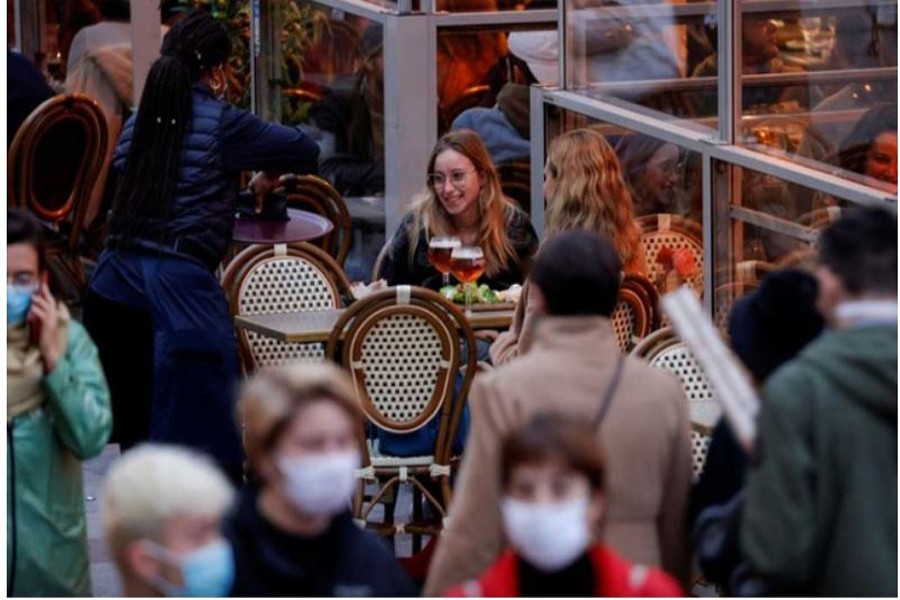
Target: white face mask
<point>322,484</point>
<point>549,536</point>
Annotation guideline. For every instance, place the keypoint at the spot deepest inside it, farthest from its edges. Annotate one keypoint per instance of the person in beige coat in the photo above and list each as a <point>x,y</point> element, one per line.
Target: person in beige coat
<point>569,364</point>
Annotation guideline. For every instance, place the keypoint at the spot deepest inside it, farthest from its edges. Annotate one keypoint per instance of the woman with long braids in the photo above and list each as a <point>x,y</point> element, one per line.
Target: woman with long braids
<point>155,307</point>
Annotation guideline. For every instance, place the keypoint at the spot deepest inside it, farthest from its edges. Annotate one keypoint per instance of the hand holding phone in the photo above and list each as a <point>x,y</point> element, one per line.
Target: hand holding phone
<point>43,319</point>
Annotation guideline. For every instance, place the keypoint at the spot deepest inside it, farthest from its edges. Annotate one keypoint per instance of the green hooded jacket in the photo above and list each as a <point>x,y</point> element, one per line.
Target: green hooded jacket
<point>46,539</point>
<point>820,516</point>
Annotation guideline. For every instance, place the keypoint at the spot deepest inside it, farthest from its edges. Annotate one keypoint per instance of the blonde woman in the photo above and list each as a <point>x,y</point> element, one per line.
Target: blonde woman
<point>463,199</point>
<point>584,189</point>
<point>292,532</point>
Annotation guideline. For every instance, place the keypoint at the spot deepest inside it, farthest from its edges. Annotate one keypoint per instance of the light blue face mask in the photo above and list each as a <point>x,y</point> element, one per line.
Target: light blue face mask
<point>207,572</point>
<point>18,302</point>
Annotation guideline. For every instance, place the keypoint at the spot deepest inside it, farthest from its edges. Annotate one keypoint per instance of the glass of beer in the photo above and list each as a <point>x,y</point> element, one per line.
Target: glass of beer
<point>439,250</point>
<point>467,264</point>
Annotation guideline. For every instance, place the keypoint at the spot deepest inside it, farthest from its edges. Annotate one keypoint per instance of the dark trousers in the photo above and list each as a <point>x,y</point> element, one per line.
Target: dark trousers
<point>124,338</point>
<point>169,352</point>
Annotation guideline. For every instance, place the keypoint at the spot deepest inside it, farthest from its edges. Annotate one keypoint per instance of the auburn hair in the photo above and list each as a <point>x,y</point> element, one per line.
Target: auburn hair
<point>591,193</point>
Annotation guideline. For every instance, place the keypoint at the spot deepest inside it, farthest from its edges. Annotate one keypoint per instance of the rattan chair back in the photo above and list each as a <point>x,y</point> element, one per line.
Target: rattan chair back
<point>314,194</point>
<point>266,279</point>
<point>671,231</point>
<point>663,349</point>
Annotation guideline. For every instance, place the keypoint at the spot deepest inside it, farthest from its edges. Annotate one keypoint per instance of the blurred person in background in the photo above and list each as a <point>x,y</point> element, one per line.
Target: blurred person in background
<point>504,128</point>
<point>553,506</point>
<point>571,365</point>
<point>870,149</point>
<point>583,189</point>
<point>26,89</point>
<point>463,199</point>
<point>292,532</point>
<point>767,327</point>
<point>820,515</point>
<point>154,305</point>
<point>57,415</point>
<point>654,172</point>
<point>162,510</point>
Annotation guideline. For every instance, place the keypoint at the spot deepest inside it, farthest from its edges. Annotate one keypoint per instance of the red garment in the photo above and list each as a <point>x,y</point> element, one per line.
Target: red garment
<point>617,578</point>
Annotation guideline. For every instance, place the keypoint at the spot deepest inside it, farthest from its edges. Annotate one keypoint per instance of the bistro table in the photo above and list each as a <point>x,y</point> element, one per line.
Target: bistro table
<point>301,226</point>
<point>316,326</point>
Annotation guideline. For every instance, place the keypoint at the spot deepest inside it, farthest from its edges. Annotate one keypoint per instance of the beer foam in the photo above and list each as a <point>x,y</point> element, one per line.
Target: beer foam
<point>467,252</point>
<point>444,243</point>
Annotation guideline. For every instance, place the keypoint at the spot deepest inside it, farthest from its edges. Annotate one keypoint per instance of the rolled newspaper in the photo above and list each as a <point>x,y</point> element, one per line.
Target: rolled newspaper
<point>732,386</point>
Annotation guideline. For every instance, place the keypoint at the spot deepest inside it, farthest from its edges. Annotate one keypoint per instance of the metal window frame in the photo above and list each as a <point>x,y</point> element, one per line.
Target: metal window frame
<point>721,187</point>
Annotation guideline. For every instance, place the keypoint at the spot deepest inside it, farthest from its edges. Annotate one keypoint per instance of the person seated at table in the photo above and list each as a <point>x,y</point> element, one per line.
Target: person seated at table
<point>759,55</point>
<point>162,512</point>
<point>552,475</point>
<point>155,307</point>
<point>584,189</point>
<point>653,170</point>
<point>871,148</point>
<point>292,531</point>
<point>463,199</point>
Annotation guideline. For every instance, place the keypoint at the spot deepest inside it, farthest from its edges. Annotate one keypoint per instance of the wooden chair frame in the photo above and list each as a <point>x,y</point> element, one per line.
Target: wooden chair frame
<point>21,166</point>
<point>314,194</point>
<point>345,346</point>
<point>252,256</point>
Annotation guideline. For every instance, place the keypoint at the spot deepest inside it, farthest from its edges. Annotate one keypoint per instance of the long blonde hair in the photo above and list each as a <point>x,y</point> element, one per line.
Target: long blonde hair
<point>493,207</point>
<point>590,192</point>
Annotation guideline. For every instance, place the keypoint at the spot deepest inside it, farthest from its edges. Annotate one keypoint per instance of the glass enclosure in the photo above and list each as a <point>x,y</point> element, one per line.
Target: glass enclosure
<point>757,153</point>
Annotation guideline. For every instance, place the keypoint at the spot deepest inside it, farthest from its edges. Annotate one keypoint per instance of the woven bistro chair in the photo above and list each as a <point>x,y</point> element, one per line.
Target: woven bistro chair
<point>314,194</point>
<point>264,279</point>
<point>378,267</point>
<point>672,231</point>
<point>54,162</point>
<point>631,318</point>
<point>403,348</point>
<point>663,349</point>
<point>701,436</point>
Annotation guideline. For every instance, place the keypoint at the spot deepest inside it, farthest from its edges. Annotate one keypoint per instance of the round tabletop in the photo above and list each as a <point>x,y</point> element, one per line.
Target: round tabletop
<point>302,226</point>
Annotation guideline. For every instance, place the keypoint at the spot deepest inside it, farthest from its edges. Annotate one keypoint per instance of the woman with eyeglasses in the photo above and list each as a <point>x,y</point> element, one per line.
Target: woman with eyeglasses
<point>463,199</point>
<point>653,170</point>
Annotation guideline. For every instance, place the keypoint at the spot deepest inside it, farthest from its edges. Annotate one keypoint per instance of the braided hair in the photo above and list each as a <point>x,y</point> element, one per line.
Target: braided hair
<point>191,48</point>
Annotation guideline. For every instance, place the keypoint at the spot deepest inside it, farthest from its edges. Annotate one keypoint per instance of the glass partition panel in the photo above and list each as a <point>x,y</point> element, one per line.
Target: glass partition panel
<point>658,183</point>
<point>460,6</point>
<point>473,67</point>
<point>815,83</point>
<point>332,85</point>
<point>769,225</point>
<point>655,53</point>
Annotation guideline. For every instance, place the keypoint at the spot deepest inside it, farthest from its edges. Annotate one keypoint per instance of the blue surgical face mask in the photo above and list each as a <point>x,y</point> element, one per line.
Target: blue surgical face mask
<point>207,572</point>
<point>18,302</point>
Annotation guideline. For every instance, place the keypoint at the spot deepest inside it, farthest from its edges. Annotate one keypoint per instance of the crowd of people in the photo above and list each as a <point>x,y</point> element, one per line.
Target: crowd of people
<point>576,470</point>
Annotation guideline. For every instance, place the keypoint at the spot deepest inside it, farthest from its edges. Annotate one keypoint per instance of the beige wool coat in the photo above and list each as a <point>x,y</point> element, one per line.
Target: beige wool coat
<point>567,366</point>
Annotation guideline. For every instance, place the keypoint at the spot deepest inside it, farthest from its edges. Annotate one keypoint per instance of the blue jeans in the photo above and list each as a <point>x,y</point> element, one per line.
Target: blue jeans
<point>421,442</point>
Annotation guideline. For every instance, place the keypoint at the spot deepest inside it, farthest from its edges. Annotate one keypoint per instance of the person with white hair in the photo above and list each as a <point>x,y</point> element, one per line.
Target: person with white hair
<point>162,508</point>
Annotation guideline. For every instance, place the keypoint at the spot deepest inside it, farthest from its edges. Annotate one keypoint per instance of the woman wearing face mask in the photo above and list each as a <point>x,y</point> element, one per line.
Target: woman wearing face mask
<point>162,511</point>
<point>292,533</point>
<point>552,476</point>
<point>584,189</point>
<point>57,414</point>
<point>155,307</point>
<point>463,199</point>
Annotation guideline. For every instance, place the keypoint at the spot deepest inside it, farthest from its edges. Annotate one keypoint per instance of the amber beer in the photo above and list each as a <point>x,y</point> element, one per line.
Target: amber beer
<point>467,266</point>
<point>439,252</point>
